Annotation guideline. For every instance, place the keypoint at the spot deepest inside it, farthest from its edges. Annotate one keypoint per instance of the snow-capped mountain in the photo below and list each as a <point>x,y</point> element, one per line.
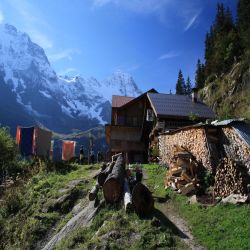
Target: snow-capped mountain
<point>61,103</point>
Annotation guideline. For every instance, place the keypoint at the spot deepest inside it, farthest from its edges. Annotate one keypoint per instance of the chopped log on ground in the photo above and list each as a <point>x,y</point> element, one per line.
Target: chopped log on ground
<point>114,157</point>
<point>231,178</point>
<point>102,176</point>
<point>127,196</point>
<point>113,186</point>
<point>93,192</point>
<point>142,200</point>
<point>103,167</point>
<point>182,174</point>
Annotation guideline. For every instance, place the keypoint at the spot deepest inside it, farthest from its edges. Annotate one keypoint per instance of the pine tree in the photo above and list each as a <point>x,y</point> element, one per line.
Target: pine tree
<point>209,41</point>
<point>188,86</point>
<point>221,43</point>
<point>243,23</point>
<point>180,84</point>
<point>199,75</point>
<point>219,18</point>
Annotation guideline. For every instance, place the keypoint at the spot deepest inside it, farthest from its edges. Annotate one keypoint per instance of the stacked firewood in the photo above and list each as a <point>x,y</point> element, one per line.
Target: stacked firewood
<point>182,174</point>
<point>116,184</point>
<point>231,178</point>
<point>193,139</point>
<point>235,147</point>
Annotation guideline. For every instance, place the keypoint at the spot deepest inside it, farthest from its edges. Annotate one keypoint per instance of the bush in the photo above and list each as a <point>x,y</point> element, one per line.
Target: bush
<point>8,147</point>
<point>8,153</point>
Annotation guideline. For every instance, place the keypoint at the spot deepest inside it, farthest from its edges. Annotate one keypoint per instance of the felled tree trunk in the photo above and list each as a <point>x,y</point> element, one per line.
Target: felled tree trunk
<point>142,200</point>
<point>113,186</point>
<point>102,176</point>
<point>114,157</point>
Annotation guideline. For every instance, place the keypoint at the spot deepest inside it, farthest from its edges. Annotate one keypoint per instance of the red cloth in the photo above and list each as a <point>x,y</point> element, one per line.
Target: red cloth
<point>68,150</point>
<point>18,135</point>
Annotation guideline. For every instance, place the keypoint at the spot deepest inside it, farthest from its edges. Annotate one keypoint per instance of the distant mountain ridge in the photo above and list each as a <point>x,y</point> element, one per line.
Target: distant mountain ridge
<point>61,103</point>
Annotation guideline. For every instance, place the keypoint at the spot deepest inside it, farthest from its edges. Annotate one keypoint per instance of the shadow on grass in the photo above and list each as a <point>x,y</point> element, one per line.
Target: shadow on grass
<point>165,221</point>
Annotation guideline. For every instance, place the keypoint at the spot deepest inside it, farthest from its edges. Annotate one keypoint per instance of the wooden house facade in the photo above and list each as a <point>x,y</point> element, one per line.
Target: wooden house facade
<point>136,122</point>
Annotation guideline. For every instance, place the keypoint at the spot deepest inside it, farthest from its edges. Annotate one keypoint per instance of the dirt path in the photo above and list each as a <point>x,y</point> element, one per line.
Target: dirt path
<point>178,224</point>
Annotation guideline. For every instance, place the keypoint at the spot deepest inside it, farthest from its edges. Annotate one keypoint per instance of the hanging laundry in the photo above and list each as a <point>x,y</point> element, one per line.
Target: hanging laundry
<point>33,141</point>
<point>42,142</point>
<point>68,150</point>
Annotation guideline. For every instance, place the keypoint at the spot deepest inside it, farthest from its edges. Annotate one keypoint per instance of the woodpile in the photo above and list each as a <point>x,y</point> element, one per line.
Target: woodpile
<point>116,183</point>
<point>235,147</point>
<point>221,150</point>
<point>193,139</point>
<point>182,174</point>
<point>231,178</point>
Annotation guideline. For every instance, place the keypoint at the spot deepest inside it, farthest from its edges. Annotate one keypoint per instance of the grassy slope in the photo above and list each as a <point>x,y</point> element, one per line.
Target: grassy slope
<point>24,221</point>
<point>22,216</point>
<point>229,94</point>
<point>218,227</point>
<point>112,228</point>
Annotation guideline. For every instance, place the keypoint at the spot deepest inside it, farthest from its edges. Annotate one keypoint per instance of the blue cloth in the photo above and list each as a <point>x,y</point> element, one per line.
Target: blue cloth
<point>26,141</point>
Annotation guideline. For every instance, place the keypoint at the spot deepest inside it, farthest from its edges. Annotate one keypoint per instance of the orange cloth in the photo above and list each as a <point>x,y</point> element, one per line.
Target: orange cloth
<point>68,150</point>
<point>18,135</point>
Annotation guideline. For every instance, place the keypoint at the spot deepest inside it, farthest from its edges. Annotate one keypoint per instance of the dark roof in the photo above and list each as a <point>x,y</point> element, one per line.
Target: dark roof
<point>243,130</point>
<point>178,106</point>
<point>228,122</point>
<point>118,101</point>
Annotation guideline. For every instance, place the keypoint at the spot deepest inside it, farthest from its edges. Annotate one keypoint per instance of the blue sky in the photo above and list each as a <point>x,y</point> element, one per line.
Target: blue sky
<point>150,39</point>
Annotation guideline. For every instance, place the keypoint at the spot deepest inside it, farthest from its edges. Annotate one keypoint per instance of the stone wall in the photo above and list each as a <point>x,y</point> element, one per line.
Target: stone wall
<point>193,139</point>
<point>235,147</point>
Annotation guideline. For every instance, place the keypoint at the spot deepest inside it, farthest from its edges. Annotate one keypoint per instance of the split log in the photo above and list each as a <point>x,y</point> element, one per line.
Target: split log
<point>142,200</point>
<point>127,196</point>
<point>187,188</point>
<point>186,177</point>
<point>93,192</point>
<point>113,185</point>
<point>102,176</point>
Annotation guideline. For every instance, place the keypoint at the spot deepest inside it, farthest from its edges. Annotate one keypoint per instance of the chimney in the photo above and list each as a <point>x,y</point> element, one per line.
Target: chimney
<point>194,94</point>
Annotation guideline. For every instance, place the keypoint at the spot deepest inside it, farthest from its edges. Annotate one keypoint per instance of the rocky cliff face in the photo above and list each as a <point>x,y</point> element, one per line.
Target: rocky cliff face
<point>229,94</point>
<point>33,93</point>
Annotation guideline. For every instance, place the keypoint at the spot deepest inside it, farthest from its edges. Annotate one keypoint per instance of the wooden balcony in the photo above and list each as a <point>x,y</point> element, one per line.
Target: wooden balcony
<point>121,138</point>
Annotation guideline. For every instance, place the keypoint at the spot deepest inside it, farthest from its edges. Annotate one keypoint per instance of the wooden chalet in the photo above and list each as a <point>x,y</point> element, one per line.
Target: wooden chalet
<point>136,122</point>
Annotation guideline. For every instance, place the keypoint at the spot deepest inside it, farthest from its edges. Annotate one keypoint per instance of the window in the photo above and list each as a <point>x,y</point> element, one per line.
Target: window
<point>150,115</point>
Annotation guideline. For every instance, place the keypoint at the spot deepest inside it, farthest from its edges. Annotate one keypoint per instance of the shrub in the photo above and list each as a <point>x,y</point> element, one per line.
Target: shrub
<point>8,147</point>
<point>8,153</point>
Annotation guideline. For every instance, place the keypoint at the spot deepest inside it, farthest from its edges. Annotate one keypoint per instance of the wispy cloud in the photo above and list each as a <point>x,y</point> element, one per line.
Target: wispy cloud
<point>169,55</point>
<point>186,11</point>
<point>33,22</point>
<point>191,21</point>
<point>142,6</point>
<point>65,54</point>
<point>128,67</point>
<point>1,16</point>
<point>40,38</point>
<point>69,71</point>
